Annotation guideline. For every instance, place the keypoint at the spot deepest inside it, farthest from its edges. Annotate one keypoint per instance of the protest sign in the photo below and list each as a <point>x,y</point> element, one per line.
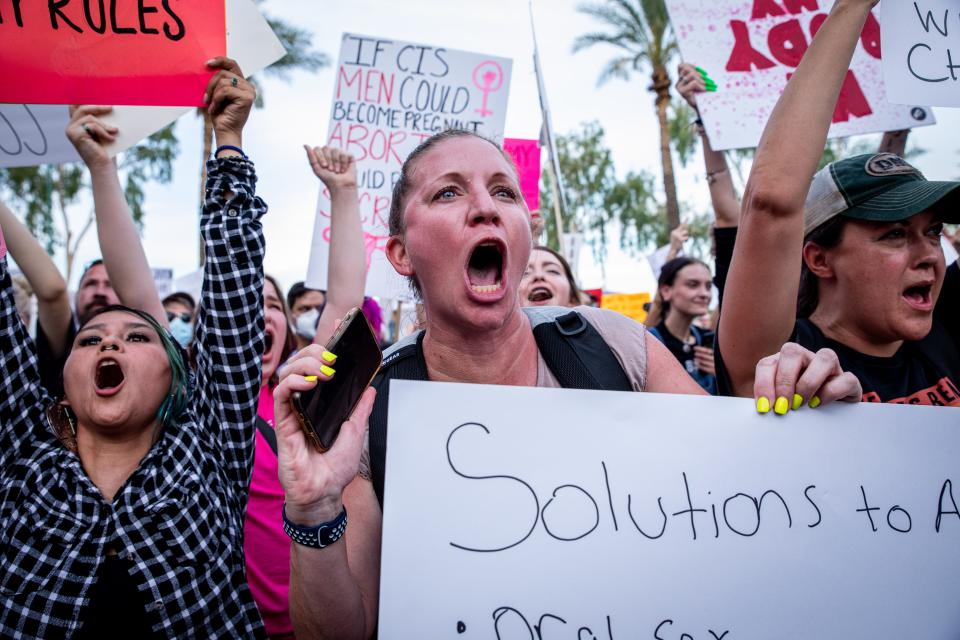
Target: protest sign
<point>629,304</point>
<point>751,47</point>
<point>921,51</point>
<point>526,155</point>
<point>32,134</point>
<point>388,97</point>
<point>118,52</point>
<point>525,513</point>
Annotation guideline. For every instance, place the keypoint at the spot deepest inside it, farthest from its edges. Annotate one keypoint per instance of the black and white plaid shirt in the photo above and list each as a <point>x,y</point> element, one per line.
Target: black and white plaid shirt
<point>178,520</point>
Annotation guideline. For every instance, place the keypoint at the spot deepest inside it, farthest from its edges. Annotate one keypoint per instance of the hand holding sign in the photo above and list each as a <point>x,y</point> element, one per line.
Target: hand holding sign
<point>229,98</point>
<point>89,134</point>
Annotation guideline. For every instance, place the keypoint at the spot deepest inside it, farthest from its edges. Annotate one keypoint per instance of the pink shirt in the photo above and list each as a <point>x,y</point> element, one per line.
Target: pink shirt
<point>265,544</point>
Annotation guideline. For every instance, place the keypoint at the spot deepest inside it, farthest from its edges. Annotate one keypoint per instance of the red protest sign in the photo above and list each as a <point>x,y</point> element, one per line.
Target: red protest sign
<point>122,52</point>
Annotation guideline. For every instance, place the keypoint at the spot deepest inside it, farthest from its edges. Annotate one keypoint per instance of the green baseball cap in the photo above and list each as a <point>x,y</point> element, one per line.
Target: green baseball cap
<point>882,187</point>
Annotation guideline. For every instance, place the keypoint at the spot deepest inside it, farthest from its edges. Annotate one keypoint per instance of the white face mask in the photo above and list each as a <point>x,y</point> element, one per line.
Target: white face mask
<point>307,323</point>
<point>181,331</point>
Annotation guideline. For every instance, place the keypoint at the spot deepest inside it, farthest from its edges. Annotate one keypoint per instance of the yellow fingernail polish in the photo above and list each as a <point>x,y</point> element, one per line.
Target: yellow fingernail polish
<point>327,371</point>
<point>814,402</point>
<point>329,358</point>
<point>781,406</point>
<point>797,401</point>
<point>310,378</point>
<point>763,405</point>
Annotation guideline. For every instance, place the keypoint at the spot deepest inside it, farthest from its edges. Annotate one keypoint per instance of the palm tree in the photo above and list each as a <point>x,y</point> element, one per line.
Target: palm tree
<point>641,30</point>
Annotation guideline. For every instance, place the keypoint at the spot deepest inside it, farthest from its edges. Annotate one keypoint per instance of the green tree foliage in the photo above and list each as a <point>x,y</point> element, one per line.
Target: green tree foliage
<point>600,205</point>
<point>45,196</point>
<point>640,31</point>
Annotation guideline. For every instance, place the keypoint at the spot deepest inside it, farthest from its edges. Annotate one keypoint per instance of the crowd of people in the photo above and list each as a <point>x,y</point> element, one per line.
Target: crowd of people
<point>153,470</point>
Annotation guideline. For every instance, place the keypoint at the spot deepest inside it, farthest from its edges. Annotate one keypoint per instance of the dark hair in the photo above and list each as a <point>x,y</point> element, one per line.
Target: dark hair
<point>175,404</point>
<point>827,236</point>
<point>290,342</point>
<point>87,267</point>
<point>182,297</point>
<point>298,290</point>
<point>668,275</point>
<point>567,271</point>
<point>401,189</point>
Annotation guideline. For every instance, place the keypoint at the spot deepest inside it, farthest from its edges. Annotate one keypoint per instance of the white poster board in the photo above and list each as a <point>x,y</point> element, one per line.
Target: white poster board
<point>751,47</point>
<point>388,97</point>
<point>638,515</point>
<point>921,51</point>
<point>32,135</point>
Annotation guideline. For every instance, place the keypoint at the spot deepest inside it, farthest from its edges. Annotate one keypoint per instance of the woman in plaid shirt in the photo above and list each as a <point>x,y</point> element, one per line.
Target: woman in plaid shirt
<point>121,504</point>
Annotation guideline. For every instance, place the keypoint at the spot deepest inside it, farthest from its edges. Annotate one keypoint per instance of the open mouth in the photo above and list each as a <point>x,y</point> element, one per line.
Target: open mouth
<point>919,296</point>
<point>540,294</point>
<point>267,342</point>
<point>485,268</point>
<point>109,377</point>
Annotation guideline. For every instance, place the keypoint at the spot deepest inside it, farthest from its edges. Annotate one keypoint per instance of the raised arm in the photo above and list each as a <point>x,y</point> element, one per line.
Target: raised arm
<point>347,265</point>
<point>759,307</point>
<point>726,205</point>
<point>894,142</point>
<point>22,398</point>
<point>229,339</point>
<point>120,246</point>
<point>53,301</point>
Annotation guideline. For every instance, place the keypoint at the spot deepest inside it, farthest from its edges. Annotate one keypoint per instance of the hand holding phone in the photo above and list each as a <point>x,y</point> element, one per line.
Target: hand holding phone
<point>322,410</point>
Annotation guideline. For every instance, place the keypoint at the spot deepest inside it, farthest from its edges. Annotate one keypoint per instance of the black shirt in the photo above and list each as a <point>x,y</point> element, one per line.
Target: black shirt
<point>683,352</point>
<point>51,365</point>
<point>117,609</point>
<point>925,371</point>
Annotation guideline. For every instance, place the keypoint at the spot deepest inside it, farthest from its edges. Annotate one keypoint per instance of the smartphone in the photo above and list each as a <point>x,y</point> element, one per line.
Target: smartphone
<point>323,409</point>
<point>707,339</point>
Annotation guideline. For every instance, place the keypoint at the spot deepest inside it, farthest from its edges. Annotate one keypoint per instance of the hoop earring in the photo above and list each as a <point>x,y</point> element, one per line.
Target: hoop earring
<point>70,417</point>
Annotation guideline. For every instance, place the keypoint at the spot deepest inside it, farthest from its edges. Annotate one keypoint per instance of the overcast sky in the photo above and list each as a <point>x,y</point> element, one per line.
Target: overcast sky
<point>297,112</point>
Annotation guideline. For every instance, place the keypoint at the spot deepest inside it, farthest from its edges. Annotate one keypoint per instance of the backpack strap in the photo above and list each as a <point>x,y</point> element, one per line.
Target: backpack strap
<point>268,433</point>
<point>578,355</point>
<point>404,362</point>
<point>572,348</point>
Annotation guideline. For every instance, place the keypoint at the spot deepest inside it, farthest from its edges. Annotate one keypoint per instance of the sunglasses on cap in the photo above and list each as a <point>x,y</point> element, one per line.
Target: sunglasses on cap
<point>184,316</point>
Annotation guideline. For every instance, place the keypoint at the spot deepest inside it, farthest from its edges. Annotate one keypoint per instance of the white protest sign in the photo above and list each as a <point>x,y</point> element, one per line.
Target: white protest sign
<point>32,135</point>
<point>388,97</point>
<point>751,47</point>
<point>921,51</point>
<point>519,513</point>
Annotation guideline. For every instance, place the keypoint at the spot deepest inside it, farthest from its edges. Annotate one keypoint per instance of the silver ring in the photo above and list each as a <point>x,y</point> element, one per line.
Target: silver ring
<point>86,129</point>
<point>234,82</point>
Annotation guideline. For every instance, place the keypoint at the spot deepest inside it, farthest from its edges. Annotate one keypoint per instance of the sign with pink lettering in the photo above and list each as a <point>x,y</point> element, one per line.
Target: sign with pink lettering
<point>752,47</point>
<point>388,97</point>
<point>526,155</point>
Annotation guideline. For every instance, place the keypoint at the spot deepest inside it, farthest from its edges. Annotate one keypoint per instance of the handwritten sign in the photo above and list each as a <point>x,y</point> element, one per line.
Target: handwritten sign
<point>526,155</point>
<point>629,304</point>
<point>752,47</point>
<point>921,44</point>
<point>115,52</point>
<point>388,97</point>
<point>33,134</point>
<point>518,513</point>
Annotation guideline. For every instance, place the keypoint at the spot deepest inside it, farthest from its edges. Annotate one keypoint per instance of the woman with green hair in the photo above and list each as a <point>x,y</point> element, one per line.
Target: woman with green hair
<point>122,502</point>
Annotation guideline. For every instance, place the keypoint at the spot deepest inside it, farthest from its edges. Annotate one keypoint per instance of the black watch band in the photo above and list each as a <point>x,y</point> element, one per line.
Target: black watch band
<point>318,537</point>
